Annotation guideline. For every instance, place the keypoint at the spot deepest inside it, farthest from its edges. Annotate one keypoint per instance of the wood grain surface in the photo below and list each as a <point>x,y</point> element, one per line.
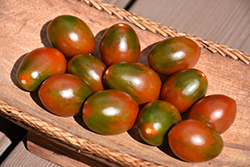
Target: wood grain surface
<point>23,28</point>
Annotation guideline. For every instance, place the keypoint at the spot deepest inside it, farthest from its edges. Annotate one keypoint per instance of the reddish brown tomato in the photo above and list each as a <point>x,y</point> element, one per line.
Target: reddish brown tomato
<point>88,68</point>
<point>71,35</point>
<point>64,94</point>
<point>194,141</point>
<point>218,111</point>
<point>38,65</point>
<point>184,88</point>
<point>155,120</point>
<point>174,54</point>
<point>110,112</point>
<point>136,79</point>
<point>119,44</point>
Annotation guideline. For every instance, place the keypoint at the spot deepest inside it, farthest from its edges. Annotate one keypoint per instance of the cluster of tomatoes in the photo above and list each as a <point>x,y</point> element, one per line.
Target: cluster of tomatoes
<point>116,92</point>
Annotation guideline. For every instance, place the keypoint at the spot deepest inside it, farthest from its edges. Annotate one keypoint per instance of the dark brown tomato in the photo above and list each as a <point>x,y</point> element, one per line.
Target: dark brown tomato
<point>155,120</point>
<point>110,112</point>
<point>184,88</point>
<point>64,94</point>
<point>71,35</point>
<point>174,54</point>
<point>119,44</point>
<point>136,79</point>
<point>38,65</point>
<point>219,111</point>
<point>88,68</point>
<point>194,141</point>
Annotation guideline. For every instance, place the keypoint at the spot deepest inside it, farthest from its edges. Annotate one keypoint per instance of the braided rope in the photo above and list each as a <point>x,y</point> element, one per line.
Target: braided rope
<point>165,31</point>
<point>81,144</point>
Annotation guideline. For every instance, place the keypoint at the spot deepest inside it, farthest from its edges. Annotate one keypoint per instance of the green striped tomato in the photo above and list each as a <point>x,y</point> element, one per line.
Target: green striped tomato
<point>71,35</point>
<point>194,141</point>
<point>110,112</point>
<point>184,88</point>
<point>219,111</point>
<point>174,54</point>
<point>119,44</point>
<point>136,79</point>
<point>155,120</point>
<point>88,68</point>
<point>38,65</point>
<point>64,94</point>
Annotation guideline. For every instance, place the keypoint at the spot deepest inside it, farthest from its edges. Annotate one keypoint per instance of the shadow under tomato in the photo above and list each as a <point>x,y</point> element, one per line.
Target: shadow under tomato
<point>36,99</point>
<point>165,147</point>
<point>133,132</point>
<point>167,150</point>
<point>13,73</point>
<point>43,35</point>
<point>79,119</point>
<point>98,38</point>
<point>185,114</point>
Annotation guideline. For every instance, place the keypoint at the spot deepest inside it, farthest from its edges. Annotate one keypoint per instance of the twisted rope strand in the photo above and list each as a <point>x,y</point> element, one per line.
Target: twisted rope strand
<point>165,31</point>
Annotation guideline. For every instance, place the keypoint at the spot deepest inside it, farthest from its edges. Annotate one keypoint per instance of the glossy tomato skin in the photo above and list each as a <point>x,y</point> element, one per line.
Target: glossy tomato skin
<point>88,68</point>
<point>110,112</point>
<point>136,79</point>
<point>70,35</point>
<point>119,44</point>
<point>194,141</point>
<point>38,65</point>
<point>174,54</point>
<point>219,111</point>
<point>64,94</point>
<point>184,88</point>
<point>155,120</point>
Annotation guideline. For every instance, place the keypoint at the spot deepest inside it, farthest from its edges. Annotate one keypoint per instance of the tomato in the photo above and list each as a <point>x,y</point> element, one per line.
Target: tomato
<point>184,88</point>
<point>88,68</point>
<point>119,44</point>
<point>63,94</point>
<point>136,79</point>
<point>71,35</point>
<point>38,65</point>
<point>155,120</point>
<point>219,111</point>
<point>174,54</point>
<point>194,141</point>
<point>110,112</point>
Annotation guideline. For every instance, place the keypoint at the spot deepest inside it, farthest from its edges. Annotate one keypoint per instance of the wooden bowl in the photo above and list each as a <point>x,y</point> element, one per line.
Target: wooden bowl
<point>23,28</point>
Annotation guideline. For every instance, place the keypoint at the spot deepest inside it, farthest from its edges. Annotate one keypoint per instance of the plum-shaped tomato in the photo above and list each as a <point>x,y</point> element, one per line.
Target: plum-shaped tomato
<point>219,111</point>
<point>174,54</point>
<point>194,141</point>
<point>71,35</point>
<point>136,79</point>
<point>119,44</point>
<point>63,94</point>
<point>38,65</point>
<point>184,88</point>
<point>88,68</point>
<point>155,120</point>
<point>110,112</point>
